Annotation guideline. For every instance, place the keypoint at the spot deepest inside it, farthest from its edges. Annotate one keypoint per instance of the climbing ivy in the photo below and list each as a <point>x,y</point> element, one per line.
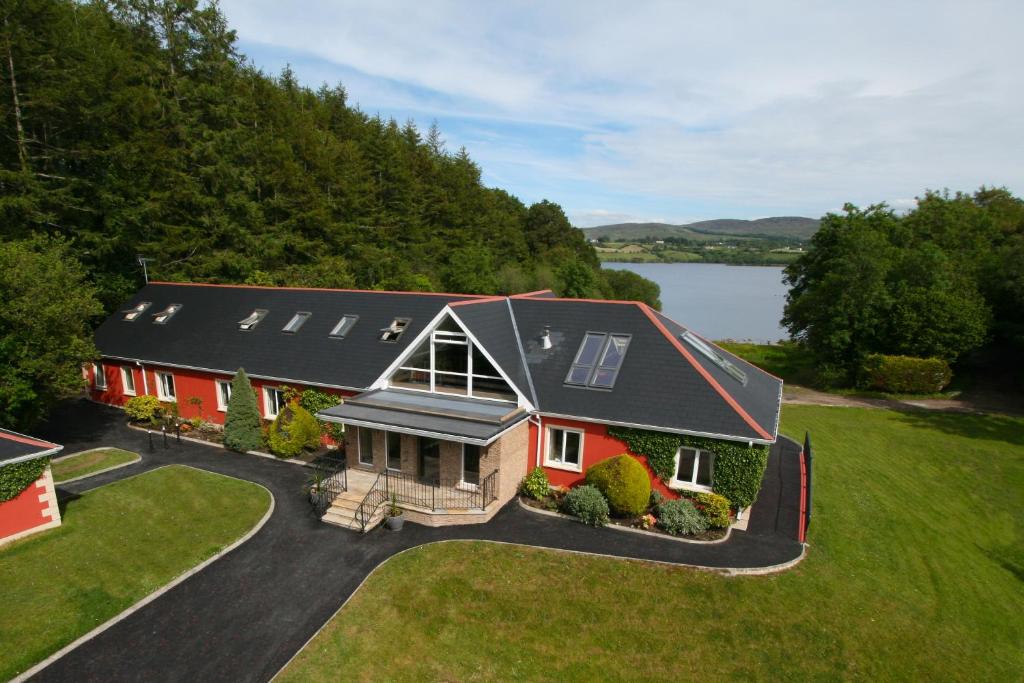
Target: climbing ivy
<point>314,401</point>
<point>16,478</point>
<point>739,468</point>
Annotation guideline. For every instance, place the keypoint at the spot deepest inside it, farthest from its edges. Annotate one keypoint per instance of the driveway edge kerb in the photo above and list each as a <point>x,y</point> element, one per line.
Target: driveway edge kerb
<point>181,578</point>
<point>619,527</point>
<point>214,444</point>
<point>138,458</point>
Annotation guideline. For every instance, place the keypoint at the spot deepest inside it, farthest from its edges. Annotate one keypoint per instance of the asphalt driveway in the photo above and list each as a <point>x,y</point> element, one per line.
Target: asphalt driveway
<point>245,615</point>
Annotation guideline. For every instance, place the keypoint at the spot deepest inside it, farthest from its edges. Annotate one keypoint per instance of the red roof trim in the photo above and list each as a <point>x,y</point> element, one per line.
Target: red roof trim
<point>21,438</point>
<point>565,298</point>
<point>704,373</point>
<point>469,302</point>
<point>527,295</point>
<point>315,289</point>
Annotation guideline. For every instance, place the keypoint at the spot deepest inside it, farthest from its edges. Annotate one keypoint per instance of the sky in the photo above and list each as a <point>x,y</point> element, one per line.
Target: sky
<point>679,111</point>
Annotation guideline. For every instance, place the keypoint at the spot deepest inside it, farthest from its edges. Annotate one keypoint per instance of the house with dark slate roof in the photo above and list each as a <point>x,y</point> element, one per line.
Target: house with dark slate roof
<point>28,500</point>
<point>447,400</point>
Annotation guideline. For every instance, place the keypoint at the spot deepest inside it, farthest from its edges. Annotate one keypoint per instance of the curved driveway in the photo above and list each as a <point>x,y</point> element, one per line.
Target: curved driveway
<point>245,615</point>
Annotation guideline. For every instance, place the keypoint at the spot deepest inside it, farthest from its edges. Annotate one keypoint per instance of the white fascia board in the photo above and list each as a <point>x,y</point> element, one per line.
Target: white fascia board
<point>31,456</point>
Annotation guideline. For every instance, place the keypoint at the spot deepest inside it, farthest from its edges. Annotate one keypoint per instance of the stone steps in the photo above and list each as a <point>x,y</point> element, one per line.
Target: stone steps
<point>343,511</point>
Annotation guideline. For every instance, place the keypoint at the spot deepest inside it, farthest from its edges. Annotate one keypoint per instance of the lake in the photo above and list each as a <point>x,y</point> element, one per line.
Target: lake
<point>719,301</point>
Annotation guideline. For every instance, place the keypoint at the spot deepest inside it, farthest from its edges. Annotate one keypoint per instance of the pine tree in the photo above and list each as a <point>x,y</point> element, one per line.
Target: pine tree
<point>243,427</point>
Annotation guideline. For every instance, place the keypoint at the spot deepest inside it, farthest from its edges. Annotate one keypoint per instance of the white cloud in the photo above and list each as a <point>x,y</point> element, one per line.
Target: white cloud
<point>749,105</point>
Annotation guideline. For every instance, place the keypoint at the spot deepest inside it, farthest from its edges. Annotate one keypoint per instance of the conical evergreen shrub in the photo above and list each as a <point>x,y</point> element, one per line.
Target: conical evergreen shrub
<point>243,426</point>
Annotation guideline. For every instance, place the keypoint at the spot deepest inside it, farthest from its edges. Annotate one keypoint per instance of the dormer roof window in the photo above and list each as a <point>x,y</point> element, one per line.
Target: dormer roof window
<point>135,312</point>
<point>393,332</point>
<point>296,322</point>
<point>346,323</point>
<point>252,320</point>
<point>166,314</point>
<point>598,360</point>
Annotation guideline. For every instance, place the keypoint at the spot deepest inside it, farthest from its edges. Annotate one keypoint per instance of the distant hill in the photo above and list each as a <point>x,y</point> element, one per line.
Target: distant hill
<point>779,226</point>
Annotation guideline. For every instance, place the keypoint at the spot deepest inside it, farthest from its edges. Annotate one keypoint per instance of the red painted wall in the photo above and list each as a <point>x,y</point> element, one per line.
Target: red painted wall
<point>187,384</point>
<point>25,511</point>
<point>597,446</point>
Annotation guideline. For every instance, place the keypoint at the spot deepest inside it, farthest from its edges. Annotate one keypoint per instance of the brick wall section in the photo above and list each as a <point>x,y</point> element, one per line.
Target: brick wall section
<point>33,510</point>
<point>511,452</point>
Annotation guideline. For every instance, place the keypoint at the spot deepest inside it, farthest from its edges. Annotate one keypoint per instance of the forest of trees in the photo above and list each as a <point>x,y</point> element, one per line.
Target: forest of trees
<point>942,281</point>
<point>135,128</point>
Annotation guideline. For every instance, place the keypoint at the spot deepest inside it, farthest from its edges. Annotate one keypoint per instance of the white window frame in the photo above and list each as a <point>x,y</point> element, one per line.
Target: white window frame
<point>160,380</point>
<point>692,484</point>
<point>99,377</point>
<point>222,405</point>
<point>387,452</point>
<point>359,447</point>
<point>453,338</point>
<point>127,373</point>
<point>561,464</point>
<point>267,403</point>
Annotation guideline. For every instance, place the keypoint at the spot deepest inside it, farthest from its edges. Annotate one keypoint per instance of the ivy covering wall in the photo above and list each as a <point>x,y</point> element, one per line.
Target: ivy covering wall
<point>16,477</point>
<point>738,468</point>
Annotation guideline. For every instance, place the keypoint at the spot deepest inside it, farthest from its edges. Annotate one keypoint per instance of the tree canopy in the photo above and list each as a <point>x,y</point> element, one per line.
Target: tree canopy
<point>938,281</point>
<point>135,127</point>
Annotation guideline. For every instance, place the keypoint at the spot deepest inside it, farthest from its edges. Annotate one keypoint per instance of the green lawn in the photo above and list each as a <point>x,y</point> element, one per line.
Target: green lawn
<point>786,360</point>
<point>914,573</point>
<point>116,545</point>
<point>91,462</point>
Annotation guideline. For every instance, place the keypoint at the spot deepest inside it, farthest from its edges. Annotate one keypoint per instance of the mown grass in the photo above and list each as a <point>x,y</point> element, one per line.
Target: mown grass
<point>786,360</point>
<point>116,545</point>
<point>83,464</point>
<point>914,573</point>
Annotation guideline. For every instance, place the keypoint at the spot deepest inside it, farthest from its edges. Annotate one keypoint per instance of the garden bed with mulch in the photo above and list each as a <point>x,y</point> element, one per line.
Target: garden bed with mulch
<point>645,522</point>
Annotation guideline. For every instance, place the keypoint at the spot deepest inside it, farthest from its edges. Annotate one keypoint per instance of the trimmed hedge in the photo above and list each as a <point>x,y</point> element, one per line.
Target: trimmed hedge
<point>293,431</point>
<point>587,503</point>
<point>680,518</point>
<point>143,408</point>
<point>624,482</point>
<point>18,476</point>
<point>906,374</point>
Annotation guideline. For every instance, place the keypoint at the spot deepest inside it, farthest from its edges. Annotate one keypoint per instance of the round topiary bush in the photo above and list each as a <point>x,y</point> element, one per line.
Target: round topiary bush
<point>535,484</point>
<point>624,482</point>
<point>293,431</point>
<point>587,503</point>
<point>680,518</point>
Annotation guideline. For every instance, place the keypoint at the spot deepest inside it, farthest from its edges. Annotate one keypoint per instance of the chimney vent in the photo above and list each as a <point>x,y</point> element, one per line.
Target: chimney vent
<point>545,338</point>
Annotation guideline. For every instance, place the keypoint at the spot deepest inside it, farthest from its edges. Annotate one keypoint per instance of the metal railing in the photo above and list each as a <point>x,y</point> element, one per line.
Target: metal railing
<point>328,480</point>
<point>436,495</point>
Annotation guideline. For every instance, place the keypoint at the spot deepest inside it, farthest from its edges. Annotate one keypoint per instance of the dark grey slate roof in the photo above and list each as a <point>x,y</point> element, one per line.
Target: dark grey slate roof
<point>421,413</point>
<point>657,385</point>
<point>204,333</point>
<point>491,323</point>
<point>15,447</point>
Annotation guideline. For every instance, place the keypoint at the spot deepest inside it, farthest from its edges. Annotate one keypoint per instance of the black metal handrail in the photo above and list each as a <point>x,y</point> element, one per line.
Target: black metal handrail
<point>327,481</point>
<point>439,494</point>
<point>373,499</point>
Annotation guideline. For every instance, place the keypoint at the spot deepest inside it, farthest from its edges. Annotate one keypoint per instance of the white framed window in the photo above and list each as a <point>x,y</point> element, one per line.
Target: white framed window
<point>470,476</point>
<point>393,443</point>
<point>394,331</point>
<point>364,446</point>
<point>273,402</point>
<point>165,386</point>
<point>99,376</point>
<point>128,381</point>
<point>448,362</point>
<point>695,469</point>
<point>564,449</point>
<point>223,394</point>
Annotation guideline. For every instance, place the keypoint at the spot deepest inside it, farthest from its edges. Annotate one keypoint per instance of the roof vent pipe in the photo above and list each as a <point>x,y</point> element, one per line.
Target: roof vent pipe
<point>545,338</point>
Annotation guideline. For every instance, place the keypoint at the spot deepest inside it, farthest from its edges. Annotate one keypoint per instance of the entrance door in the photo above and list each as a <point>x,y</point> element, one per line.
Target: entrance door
<point>430,460</point>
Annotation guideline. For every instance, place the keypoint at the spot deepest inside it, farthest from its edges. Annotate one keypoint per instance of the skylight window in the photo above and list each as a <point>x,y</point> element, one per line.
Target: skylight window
<point>344,325</point>
<point>136,311</point>
<point>166,314</point>
<point>252,320</point>
<point>393,332</point>
<point>718,359</point>
<point>296,322</point>
<point>598,360</point>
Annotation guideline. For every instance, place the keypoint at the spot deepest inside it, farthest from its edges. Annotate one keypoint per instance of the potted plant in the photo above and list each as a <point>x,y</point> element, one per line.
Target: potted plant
<point>394,519</point>
<point>313,486</point>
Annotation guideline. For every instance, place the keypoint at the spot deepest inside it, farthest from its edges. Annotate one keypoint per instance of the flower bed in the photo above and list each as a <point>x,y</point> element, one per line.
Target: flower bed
<point>553,501</point>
